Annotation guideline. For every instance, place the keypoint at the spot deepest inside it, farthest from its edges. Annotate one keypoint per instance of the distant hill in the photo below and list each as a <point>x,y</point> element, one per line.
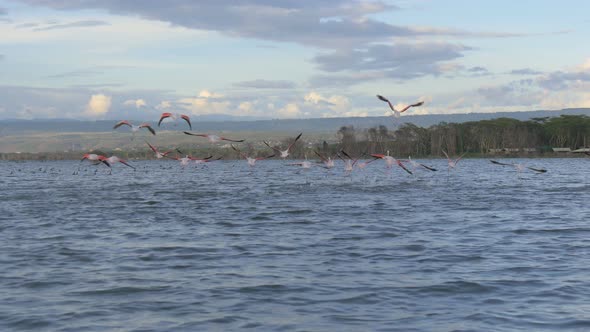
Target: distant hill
<point>320,125</point>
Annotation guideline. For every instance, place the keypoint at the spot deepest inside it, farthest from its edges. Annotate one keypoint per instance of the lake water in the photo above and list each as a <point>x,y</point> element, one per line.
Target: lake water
<point>222,247</point>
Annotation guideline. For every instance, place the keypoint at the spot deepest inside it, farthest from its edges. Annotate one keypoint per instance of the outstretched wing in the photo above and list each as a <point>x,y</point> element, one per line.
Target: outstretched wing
<point>428,167</point>
<point>538,170</point>
<point>404,167</point>
<point>387,101</point>
<point>412,105</point>
<point>187,119</point>
<point>319,155</point>
<point>296,138</point>
<point>124,162</point>
<point>460,157</point>
<point>238,151</point>
<point>164,116</point>
<point>145,125</point>
<point>275,149</point>
<point>200,135</point>
<point>122,123</point>
<point>499,163</point>
<point>231,140</point>
<point>152,147</point>
<point>267,157</point>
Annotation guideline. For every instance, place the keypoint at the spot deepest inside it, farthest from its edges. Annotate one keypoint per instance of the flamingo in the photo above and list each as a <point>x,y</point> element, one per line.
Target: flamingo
<point>251,161</point>
<point>184,161</point>
<point>328,162</point>
<point>96,158</point>
<point>304,164</point>
<point>135,128</point>
<point>390,161</point>
<point>395,112</point>
<point>453,162</point>
<point>159,154</point>
<point>520,167</point>
<point>284,153</point>
<point>348,163</point>
<point>365,163</point>
<point>114,159</point>
<point>175,117</point>
<point>205,160</point>
<point>416,165</point>
<point>214,138</point>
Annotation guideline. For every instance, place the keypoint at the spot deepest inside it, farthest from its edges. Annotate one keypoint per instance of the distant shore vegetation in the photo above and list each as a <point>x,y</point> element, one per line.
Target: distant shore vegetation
<point>538,137</point>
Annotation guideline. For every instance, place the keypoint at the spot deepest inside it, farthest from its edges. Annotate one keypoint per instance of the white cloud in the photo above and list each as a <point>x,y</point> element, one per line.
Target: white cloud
<point>209,94</point>
<point>246,108</point>
<point>138,103</point>
<point>290,110</point>
<point>206,103</point>
<point>585,66</point>
<point>98,105</point>
<point>164,105</point>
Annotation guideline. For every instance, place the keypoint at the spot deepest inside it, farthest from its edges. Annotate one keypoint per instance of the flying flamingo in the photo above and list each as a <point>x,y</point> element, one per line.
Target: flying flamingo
<point>304,164</point>
<point>284,153</point>
<point>175,117</point>
<point>397,113</point>
<point>96,158</point>
<point>416,165</point>
<point>453,162</point>
<point>135,128</point>
<point>114,159</point>
<point>184,161</point>
<point>251,161</point>
<point>350,162</point>
<point>214,138</point>
<point>328,162</point>
<point>205,160</point>
<point>520,167</point>
<point>390,161</point>
<point>366,163</point>
<point>159,154</point>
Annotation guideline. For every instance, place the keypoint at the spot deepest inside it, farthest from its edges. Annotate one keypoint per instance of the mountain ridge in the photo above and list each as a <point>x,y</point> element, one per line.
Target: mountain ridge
<point>16,126</point>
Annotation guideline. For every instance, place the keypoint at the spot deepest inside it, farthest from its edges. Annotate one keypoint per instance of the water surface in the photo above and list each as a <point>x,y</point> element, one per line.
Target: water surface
<point>278,248</point>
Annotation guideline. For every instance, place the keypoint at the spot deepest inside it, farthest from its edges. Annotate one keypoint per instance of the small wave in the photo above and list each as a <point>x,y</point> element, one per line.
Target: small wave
<point>124,290</point>
<point>455,287</point>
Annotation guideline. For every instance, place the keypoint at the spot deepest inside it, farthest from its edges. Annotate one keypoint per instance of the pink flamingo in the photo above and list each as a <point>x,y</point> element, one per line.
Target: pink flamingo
<point>395,112</point>
<point>417,165</point>
<point>114,159</point>
<point>135,128</point>
<point>159,154</point>
<point>390,161</point>
<point>96,158</point>
<point>214,138</point>
<point>453,162</point>
<point>284,153</point>
<point>175,117</point>
<point>184,161</point>
<point>520,167</point>
<point>251,161</point>
<point>328,162</point>
<point>348,163</point>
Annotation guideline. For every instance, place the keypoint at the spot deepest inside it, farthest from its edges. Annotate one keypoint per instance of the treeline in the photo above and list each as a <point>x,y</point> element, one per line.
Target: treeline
<point>503,135</point>
<point>537,136</point>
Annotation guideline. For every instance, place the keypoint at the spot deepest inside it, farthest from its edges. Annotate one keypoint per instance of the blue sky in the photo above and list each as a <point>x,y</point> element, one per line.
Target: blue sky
<point>116,59</point>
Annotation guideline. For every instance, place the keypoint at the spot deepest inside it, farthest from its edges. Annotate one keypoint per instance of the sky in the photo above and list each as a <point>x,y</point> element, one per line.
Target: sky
<point>134,59</point>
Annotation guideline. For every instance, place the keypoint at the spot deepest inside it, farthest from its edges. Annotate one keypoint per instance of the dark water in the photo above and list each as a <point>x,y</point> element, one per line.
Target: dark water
<point>278,248</point>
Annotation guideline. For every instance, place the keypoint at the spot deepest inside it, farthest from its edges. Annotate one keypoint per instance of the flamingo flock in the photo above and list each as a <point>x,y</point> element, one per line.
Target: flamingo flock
<point>327,162</point>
